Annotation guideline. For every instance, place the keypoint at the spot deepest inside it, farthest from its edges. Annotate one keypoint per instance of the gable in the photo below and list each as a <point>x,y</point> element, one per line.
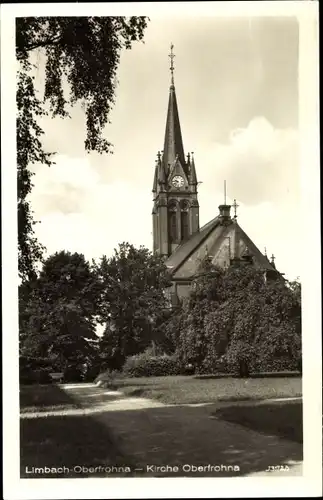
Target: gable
<point>260,260</point>
<point>185,250</point>
<point>177,169</point>
<point>220,243</point>
<point>212,246</point>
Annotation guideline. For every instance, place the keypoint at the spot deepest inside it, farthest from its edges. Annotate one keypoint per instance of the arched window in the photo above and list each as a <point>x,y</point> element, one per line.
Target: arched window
<point>185,230</point>
<point>172,221</point>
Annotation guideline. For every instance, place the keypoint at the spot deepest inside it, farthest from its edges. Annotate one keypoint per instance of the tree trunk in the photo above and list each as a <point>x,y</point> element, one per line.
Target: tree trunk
<point>243,369</point>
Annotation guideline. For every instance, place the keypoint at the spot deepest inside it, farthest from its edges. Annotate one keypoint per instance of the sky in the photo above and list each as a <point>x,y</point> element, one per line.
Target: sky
<point>236,82</point>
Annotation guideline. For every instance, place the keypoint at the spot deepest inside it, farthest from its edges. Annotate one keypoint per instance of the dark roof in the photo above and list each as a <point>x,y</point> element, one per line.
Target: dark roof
<point>173,143</point>
<point>184,250</point>
<point>254,251</point>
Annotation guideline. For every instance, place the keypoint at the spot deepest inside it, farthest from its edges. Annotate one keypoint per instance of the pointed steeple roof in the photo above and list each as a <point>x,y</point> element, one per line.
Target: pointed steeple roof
<point>191,162</point>
<point>161,176</point>
<point>173,143</point>
<point>155,183</point>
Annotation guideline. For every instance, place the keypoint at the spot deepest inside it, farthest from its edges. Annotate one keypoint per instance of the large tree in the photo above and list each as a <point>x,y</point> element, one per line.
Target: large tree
<point>57,312</point>
<point>133,283</point>
<point>82,56</point>
<point>243,319</point>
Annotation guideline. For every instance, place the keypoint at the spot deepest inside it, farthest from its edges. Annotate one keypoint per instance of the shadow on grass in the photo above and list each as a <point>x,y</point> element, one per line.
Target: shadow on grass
<point>70,442</point>
<point>281,419</point>
<point>44,398</point>
<point>64,441</point>
<point>166,436</point>
<point>43,395</point>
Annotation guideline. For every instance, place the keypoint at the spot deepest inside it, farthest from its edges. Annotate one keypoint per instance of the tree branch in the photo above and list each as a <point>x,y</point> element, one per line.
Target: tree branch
<point>37,45</point>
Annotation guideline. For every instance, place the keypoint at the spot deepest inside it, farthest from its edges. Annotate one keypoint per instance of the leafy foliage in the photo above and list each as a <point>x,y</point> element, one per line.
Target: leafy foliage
<point>233,321</point>
<point>57,312</point>
<point>82,55</point>
<point>131,302</point>
<point>237,321</point>
<point>146,365</point>
<point>34,370</point>
<point>206,296</point>
<point>29,151</point>
<point>168,327</point>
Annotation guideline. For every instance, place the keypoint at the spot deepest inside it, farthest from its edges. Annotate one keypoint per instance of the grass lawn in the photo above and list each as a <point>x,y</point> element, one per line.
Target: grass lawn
<point>169,390</point>
<point>58,441</point>
<point>281,419</point>
<point>184,389</point>
<point>44,398</point>
<point>47,398</point>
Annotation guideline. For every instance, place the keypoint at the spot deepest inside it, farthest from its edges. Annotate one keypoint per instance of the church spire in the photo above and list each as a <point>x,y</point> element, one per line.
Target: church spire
<point>192,170</point>
<point>173,143</point>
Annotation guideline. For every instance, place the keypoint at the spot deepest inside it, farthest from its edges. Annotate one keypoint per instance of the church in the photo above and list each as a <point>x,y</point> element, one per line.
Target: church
<point>177,236</point>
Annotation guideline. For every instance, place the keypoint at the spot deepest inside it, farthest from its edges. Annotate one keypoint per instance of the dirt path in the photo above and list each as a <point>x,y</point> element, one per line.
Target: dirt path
<point>160,435</point>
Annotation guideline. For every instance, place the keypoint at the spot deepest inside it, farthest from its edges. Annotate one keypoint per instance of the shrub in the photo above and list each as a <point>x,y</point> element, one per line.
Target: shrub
<point>73,373</point>
<point>92,372</point>
<point>277,365</point>
<point>40,376</point>
<point>34,371</point>
<point>146,365</point>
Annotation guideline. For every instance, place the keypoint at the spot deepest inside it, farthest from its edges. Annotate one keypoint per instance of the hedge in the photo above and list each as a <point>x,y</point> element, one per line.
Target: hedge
<point>145,365</point>
<point>216,366</point>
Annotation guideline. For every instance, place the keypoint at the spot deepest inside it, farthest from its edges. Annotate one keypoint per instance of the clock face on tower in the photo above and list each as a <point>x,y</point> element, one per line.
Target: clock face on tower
<point>177,181</point>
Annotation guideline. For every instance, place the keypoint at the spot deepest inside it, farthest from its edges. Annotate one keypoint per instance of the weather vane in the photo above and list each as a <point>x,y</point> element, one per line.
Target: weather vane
<point>171,56</point>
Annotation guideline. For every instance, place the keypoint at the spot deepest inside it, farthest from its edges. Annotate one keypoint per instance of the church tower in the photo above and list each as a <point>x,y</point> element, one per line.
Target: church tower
<point>175,209</point>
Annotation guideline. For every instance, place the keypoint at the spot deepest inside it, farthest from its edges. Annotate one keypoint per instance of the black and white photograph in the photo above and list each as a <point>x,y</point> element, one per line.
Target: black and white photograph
<point>165,242</point>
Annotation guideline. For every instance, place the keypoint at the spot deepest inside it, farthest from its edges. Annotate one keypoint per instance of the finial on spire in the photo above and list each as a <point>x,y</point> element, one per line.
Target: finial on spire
<point>265,251</point>
<point>225,192</point>
<point>235,206</point>
<point>272,262</point>
<point>171,56</point>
